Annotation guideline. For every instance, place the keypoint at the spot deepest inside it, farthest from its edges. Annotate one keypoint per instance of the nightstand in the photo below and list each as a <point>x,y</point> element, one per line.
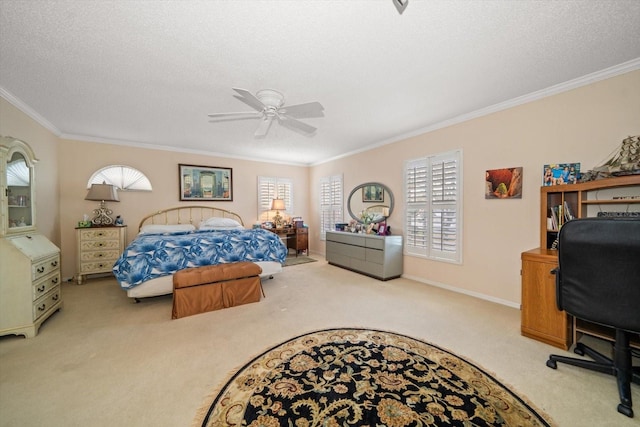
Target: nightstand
<point>98,249</point>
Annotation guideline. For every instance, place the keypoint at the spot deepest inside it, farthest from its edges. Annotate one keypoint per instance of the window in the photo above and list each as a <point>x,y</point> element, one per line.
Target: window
<point>124,177</point>
<point>331,204</point>
<point>270,188</point>
<point>433,201</point>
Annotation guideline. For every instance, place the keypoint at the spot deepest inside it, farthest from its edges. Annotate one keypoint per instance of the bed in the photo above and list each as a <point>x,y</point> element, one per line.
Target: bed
<point>172,239</point>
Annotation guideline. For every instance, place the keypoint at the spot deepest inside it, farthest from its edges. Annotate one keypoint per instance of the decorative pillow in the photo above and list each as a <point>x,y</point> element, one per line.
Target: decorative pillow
<point>219,222</point>
<point>162,228</point>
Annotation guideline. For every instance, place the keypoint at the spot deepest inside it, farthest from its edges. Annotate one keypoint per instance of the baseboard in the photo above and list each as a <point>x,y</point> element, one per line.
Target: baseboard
<point>464,291</point>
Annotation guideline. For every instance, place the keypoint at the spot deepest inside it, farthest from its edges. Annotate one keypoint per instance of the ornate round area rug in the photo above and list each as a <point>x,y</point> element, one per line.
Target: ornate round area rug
<point>363,377</point>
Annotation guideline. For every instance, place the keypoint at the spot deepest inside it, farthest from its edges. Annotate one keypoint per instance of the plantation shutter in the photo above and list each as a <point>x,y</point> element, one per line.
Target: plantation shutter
<point>331,210</point>
<point>270,188</point>
<point>433,207</point>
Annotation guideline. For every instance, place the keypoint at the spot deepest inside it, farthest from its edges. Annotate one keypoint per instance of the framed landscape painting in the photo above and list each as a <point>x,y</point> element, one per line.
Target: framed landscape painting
<point>372,193</point>
<point>205,183</point>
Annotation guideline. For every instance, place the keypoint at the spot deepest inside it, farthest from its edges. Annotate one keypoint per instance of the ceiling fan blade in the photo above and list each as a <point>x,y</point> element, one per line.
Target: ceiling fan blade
<point>263,128</point>
<point>239,115</point>
<point>249,99</point>
<point>294,124</point>
<point>302,111</point>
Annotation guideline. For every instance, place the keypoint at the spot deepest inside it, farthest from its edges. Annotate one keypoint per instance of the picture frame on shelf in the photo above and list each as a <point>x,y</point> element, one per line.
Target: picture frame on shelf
<point>205,183</point>
<point>560,174</point>
<point>372,193</point>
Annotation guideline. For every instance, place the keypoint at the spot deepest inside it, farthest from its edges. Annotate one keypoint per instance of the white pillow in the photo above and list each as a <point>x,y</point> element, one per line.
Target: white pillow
<point>221,227</point>
<point>219,222</point>
<point>162,228</point>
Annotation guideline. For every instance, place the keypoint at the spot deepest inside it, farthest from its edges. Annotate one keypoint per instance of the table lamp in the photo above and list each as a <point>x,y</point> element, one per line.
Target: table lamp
<point>103,193</point>
<point>277,205</point>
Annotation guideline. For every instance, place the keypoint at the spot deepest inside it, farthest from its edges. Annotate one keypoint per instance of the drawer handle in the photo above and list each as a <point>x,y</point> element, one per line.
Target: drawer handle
<point>100,244</point>
<point>100,255</point>
<point>40,269</point>
<point>100,265</point>
<point>55,297</point>
<point>54,263</point>
<point>54,280</point>
<point>100,234</point>
<point>42,288</point>
<point>42,307</point>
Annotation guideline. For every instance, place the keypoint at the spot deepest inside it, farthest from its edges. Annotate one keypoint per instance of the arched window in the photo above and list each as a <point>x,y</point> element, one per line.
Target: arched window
<point>125,178</point>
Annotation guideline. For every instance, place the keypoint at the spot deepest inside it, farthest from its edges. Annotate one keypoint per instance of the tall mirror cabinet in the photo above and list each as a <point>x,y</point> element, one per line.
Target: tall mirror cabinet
<point>29,262</point>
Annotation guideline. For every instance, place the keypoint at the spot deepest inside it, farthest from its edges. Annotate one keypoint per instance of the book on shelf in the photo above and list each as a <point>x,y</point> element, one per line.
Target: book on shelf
<point>559,215</point>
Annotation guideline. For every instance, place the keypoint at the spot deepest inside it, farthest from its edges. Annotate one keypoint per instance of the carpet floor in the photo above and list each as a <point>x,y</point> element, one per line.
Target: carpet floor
<point>363,377</point>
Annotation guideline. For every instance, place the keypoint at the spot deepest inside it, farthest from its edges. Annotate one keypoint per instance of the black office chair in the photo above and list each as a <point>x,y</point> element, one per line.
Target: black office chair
<point>598,280</point>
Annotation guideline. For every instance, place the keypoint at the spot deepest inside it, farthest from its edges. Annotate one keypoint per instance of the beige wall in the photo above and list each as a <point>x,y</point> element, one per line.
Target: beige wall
<point>79,160</point>
<point>582,125</point>
<point>15,123</point>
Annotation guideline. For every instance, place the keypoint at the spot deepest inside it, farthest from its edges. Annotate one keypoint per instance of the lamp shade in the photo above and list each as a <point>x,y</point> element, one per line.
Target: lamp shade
<point>103,192</point>
<point>277,205</point>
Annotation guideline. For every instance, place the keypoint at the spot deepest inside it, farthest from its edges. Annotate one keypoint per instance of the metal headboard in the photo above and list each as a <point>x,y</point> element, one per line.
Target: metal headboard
<point>187,215</point>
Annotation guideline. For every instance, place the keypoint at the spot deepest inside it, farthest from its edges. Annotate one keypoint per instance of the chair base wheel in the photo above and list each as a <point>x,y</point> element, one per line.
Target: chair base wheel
<point>625,410</point>
<point>552,364</point>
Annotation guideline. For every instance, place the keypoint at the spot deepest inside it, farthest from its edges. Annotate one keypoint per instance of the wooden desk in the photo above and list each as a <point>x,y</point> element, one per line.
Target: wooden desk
<point>296,238</point>
<point>541,319</point>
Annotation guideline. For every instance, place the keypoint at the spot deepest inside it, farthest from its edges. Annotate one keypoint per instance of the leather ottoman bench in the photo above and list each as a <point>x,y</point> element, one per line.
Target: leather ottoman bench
<point>213,287</point>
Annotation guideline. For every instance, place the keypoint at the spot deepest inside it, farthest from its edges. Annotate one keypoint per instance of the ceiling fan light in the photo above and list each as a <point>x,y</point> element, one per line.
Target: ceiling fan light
<point>270,98</point>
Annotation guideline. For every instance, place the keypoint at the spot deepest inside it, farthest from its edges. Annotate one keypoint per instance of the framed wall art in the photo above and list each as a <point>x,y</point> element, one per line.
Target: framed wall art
<point>205,183</point>
<point>372,193</point>
<point>503,183</point>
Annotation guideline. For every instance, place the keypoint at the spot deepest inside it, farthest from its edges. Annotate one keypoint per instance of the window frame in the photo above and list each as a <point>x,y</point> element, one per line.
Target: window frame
<point>433,207</point>
<point>331,193</point>
<point>121,177</point>
<point>272,187</point>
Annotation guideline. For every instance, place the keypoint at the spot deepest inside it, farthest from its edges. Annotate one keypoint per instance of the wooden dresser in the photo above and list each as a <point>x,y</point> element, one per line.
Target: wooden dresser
<point>98,248</point>
<point>370,254</point>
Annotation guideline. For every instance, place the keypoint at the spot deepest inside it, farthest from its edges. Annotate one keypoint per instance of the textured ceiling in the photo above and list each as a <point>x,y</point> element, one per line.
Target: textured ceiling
<point>149,72</point>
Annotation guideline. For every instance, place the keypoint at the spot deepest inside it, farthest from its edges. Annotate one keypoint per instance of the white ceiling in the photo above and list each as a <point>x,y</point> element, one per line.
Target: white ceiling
<point>147,73</point>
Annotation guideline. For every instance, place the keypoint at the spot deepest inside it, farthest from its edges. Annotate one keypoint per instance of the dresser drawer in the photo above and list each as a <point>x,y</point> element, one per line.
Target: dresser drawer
<point>45,267</point>
<point>102,256</point>
<point>46,303</point>
<point>45,285</point>
<point>94,245</point>
<point>103,266</point>
<point>100,234</point>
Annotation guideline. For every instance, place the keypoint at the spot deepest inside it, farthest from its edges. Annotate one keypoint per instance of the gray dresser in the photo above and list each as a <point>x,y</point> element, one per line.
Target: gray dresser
<point>375,256</point>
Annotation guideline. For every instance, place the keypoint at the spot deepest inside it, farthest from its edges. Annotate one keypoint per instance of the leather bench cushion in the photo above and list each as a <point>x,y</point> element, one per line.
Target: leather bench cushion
<point>215,296</point>
<point>214,273</point>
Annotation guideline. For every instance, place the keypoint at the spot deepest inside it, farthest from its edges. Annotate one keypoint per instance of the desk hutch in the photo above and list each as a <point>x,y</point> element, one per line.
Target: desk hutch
<point>541,320</point>
<point>29,262</point>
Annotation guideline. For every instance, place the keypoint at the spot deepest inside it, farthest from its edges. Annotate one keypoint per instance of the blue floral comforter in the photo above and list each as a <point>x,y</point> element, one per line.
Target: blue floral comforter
<point>154,255</point>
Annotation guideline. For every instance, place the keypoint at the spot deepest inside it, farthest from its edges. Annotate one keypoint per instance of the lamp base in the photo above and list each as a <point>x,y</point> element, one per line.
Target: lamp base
<point>278,220</point>
<point>101,216</point>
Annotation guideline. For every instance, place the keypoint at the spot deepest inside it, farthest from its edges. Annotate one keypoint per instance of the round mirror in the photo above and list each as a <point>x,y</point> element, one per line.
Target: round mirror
<point>372,200</point>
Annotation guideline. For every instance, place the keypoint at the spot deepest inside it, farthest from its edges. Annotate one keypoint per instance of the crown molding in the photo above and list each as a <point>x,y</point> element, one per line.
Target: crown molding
<point>625,67</point>
<point>16,102</point>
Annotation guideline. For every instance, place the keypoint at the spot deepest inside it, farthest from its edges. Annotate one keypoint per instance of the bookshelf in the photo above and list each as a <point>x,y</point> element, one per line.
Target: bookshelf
<point>541,320</point>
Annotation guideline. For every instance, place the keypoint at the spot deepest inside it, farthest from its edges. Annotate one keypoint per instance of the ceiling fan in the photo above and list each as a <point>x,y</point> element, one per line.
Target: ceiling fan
<point>269,106</point>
